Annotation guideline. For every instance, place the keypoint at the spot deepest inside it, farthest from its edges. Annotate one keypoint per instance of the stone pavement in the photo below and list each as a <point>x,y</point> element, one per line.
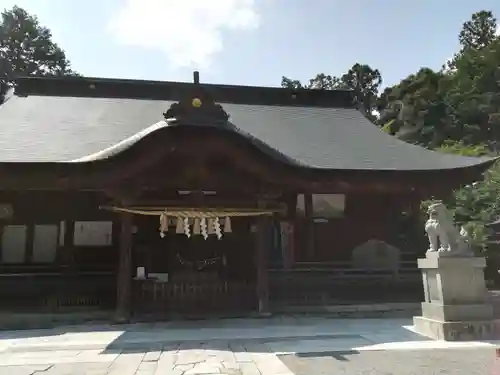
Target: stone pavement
<point>232,347</point>
<point>401,362</point>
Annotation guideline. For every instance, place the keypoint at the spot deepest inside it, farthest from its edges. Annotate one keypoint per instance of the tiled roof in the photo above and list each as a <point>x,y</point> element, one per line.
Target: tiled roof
<point>52,128</point>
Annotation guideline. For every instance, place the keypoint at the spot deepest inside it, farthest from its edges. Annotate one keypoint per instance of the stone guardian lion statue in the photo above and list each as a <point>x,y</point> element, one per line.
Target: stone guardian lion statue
<point>444,237</point>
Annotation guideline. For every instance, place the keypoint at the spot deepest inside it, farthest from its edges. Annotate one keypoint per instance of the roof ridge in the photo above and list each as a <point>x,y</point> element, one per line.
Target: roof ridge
<point>168,90</point>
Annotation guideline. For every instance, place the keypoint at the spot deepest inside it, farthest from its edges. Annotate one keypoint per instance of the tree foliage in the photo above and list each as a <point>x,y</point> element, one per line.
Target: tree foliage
<point>476,34</point>
<point>457,110</point>
<point>360,78</point>
<point>453,110</point>
<point>26,48</point>
<point>460,104</point>
<point>479,31</point>
<point>476,205</point>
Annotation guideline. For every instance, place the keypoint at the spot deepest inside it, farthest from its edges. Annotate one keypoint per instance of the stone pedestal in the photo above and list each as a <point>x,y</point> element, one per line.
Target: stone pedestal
<point>456,303</point>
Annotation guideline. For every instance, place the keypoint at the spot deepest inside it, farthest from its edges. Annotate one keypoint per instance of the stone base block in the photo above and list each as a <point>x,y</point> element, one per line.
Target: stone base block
<point>457,312</point>
<point>454,331</point>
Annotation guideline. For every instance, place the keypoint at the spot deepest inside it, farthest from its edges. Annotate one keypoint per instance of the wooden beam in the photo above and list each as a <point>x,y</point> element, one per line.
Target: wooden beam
<point>124,277</point>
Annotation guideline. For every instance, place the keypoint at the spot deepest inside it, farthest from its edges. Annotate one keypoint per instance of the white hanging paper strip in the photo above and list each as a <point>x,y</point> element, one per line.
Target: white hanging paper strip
<point>227,225</point>
<point>203,227</point>
<point>187,230</point>
<point>196,226</point>
<point>163,224</point>
<point>179,228</point>
<point>217,228</point>
<point>210,225</point>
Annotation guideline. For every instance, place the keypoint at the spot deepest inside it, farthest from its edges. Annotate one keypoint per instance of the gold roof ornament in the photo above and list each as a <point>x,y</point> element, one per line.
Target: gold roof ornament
<point>196,102</point>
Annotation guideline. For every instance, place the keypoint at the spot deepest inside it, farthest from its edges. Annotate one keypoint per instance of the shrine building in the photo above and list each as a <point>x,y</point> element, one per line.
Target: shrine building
<point>162,198</point>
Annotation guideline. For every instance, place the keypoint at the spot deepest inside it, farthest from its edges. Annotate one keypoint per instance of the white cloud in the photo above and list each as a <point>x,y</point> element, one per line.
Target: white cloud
<point>188,32</point>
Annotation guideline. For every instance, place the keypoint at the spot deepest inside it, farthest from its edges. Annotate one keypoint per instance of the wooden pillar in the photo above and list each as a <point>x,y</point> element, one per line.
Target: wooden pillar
<point>124,280</point>
<point>291,219</point>
<point>292,245</point>
<point>309,226</point>
<point>30,243</point>
<point>2,226</point>
<point>261,261</point>
<point>67,254</point>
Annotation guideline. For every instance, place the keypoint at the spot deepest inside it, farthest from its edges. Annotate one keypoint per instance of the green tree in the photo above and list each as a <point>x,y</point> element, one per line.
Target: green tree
<point>476,34</point>
<point>291,83</point>
<point>462,104</point>
<point>26,48</point>
<point>457,111</point>
<point>361,79</point>
<point>320,82</point>
<point>472,95</point>
<point>476,205</point>
<point>324,82</point>
<point>414,110</point>
<point>479,31</point>
<point>365,82</point>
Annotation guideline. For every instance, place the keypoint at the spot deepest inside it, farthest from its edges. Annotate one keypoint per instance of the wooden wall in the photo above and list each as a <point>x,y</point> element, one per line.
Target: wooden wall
<point>366,216</point>
<point>62,210</point>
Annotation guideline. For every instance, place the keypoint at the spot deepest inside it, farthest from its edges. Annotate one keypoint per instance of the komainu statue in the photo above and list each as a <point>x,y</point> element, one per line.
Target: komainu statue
<point>444,237</point>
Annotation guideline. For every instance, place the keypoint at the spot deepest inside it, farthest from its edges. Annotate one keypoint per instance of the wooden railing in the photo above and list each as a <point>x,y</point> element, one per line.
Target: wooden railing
<point>53,291</point>
<point>337,282</point>
<point>193,297</point>
<point>308,283</point>
<point>405,269</point>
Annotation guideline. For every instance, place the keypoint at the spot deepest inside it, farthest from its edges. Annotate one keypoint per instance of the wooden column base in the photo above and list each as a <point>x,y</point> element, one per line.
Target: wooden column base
<point>121,317</point>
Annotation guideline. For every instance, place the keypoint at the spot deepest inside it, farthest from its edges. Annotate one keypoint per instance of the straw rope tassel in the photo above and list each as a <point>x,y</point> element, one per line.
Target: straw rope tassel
<point>227,225</point>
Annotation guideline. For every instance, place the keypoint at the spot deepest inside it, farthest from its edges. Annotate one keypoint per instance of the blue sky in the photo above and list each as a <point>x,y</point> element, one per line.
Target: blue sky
<point>253,42</point>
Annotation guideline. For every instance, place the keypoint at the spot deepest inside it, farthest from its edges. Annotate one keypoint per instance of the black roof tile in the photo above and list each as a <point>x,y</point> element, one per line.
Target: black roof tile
<point>46,124</point>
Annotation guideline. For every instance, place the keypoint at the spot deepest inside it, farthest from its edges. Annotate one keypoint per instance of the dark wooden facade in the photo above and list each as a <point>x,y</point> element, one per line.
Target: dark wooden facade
<point>200,167</point>
<point>319,248</point>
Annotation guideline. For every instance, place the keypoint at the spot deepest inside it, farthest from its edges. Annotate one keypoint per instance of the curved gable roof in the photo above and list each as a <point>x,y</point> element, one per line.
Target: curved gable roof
<point>41,128</point>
